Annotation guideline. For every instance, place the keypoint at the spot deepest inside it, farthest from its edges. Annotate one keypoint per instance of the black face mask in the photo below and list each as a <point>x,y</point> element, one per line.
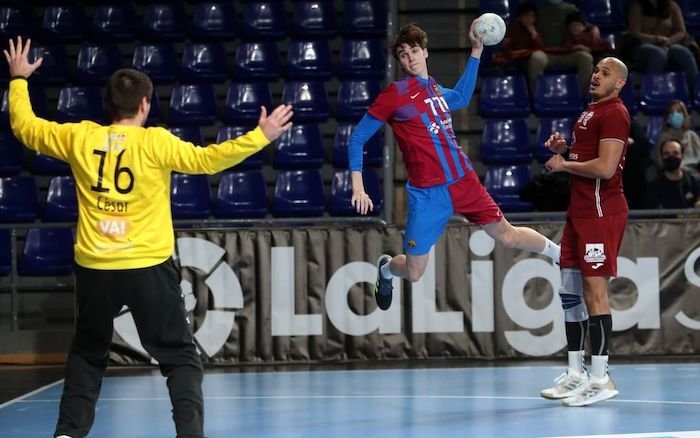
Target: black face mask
<point>671,163</point>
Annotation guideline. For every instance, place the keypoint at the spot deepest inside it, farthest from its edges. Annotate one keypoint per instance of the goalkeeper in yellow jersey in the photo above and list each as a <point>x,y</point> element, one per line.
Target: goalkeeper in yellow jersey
<point>124,237</point>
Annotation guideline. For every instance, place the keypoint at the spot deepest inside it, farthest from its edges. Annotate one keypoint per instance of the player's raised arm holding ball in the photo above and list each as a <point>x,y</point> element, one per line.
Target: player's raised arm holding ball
<point>441,179</point>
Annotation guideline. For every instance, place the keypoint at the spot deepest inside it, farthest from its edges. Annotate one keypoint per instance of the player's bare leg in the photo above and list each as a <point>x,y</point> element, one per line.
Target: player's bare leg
<point>409,267</point>
<point>522,238</point>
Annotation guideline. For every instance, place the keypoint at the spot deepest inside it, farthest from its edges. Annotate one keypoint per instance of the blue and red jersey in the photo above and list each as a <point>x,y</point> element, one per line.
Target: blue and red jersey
<point>419,112</point>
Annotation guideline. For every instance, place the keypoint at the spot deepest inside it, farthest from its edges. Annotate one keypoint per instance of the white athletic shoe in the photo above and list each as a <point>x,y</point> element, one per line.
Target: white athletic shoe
<point>596,391</point>
<point>567,385</point>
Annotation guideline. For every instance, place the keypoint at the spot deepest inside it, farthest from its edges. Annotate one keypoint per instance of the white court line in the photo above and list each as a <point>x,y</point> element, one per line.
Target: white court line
<point>29,394</point>
<point>684,434</point>
<point>366,397</point>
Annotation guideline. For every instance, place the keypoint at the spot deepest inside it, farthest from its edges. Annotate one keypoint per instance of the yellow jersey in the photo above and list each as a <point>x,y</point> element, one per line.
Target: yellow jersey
<point>122,178</point>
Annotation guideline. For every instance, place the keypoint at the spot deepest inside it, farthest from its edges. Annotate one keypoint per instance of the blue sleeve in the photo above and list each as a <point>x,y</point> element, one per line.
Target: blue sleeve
<point>368,126</point>
<point>460,96</point>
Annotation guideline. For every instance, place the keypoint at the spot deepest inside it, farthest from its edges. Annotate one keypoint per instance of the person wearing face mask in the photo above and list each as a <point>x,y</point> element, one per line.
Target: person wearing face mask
<point>673,187</point>
<point>677,126</point>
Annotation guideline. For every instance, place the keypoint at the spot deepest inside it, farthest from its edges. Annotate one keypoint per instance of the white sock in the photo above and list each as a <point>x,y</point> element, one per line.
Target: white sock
<point>599,366</point>
<point>385,271</point>
<point>576,361</point>
<point>551,250</point>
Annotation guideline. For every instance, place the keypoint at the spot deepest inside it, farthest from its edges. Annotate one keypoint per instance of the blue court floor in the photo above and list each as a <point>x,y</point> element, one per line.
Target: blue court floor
<point>661,400</point>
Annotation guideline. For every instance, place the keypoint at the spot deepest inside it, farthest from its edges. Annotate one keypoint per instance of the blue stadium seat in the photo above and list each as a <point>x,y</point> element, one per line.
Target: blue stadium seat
<point>309,59</point>
<point>76,104</point>
<point>557,95</point>
<point>45,165</point>
<point>654,125</point>
<point>54,67</point>
<point>113,22</point>
<point>37,97</point>
<point>163,22</point>
<point>504,96</point>
<point>628,96</point>
<point>504,184</point>
<point>190,197</point>
<point>243,102</point>
<point>203,62</point>
<point>213,21</point>
<point>61,200</point>
<point>658,89</point>
<point>341,193</point>
<point>505,8</point>
<point>548,126</point>
<point>154,113</point>
<point>253,162</point>
<point>264,20</point>
<point>5,252</point>
<point>313,19</point>
<point>355,97</point>
<point>608,15</point>
<point>15,19</point>
<point>158,61</point>
<point>192,104</point>
<point>298,193</point>
<point>96,63</point>
<point>364,18</point>
<point>63,23</point>
<point>371,154</point>
<point>257,61</point>
<point>11,154</point>
<point>361,58</point>
<point>188,133</point>
<point>505,142</point>
<point>241,195</point>
<point>691,16</point>
<point>309,100</point>
<point>47,252</point>
<point>19,199</point>
<point>300,147</point>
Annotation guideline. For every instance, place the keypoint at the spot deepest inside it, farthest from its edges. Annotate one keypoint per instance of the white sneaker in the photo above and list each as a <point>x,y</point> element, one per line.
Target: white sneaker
<point>567,385</point>
<point>596,391</point>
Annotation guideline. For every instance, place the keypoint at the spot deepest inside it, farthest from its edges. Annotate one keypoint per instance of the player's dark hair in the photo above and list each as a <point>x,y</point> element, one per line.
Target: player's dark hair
<point>126,88</point>
<point>410,35</point>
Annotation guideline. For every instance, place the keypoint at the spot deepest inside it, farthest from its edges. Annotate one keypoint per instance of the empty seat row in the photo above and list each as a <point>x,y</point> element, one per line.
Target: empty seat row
<point>560,95</point>
<point>45,252</point>
<point>207,62</point>
<point>195,104</point>
<point>210,20</point>
<point>297,193</point>
<point>299,148</point>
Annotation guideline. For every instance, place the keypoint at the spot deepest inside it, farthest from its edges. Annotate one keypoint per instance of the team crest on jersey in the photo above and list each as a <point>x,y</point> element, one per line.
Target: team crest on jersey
<point>595,253</point>
<point>585,117</point>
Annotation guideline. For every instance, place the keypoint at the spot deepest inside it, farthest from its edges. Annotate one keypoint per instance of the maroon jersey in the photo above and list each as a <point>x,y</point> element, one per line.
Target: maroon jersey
<point>595,197</point>
<point>418,111</point>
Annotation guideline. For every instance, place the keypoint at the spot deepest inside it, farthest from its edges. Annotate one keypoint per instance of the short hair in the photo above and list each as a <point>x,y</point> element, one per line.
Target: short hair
<point>411,35</point>
<point>669,140</point>
<point>126,88</point>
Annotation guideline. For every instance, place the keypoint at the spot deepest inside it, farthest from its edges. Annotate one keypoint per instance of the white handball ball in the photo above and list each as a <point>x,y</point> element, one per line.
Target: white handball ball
<point>493,26</point>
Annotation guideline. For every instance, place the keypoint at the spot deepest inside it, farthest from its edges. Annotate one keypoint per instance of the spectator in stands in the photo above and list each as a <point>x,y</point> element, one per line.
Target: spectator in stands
<point>552,20</point>
<point>637,162</point>
<point>522,39</point>
<point>677,125</point>
<point>657,39</point>
<point>125,258</point>
<point>585,37</point>
<point>673,187</point>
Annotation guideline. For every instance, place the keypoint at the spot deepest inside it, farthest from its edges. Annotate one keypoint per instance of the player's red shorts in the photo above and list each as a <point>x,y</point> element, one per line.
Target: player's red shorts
<point>592,244</point>
<point>471,200</point>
